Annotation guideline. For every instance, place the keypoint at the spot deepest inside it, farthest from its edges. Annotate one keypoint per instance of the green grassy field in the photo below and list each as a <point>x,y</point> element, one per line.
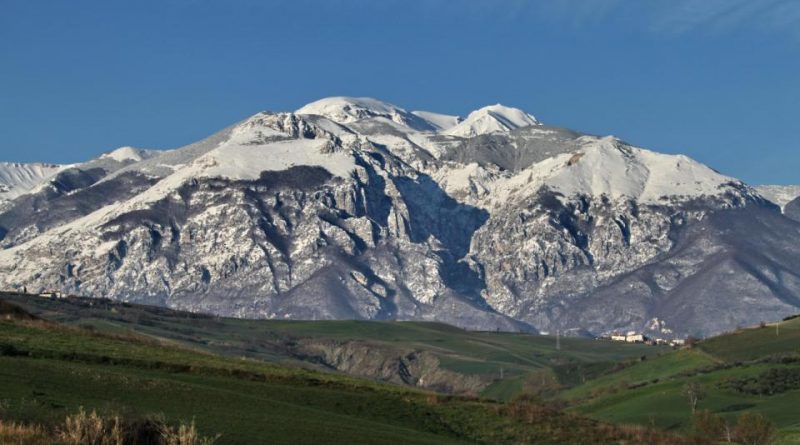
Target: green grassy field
<point>238,377</point>
<point>49,370</point>
<point>651,392</point>
<point>488,356</point>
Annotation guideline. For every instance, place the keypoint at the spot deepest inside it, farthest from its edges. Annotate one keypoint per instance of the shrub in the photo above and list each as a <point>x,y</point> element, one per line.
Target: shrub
<point>17,434</point>
<point>708,427</point>
<point>754,429</point>
<point>92,429</point>
<point>772,381</point>
<point>185,435</point>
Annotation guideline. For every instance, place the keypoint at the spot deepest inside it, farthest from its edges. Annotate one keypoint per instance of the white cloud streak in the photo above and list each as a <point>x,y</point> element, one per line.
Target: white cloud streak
<point>667,18</point>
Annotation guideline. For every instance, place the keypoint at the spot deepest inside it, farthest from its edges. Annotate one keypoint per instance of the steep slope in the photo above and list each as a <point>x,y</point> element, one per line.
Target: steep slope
<point>17,179</point>
<point>614,237</point>
<point>792,209</point>
<point>72,191</point>
<point>787,197</point>
<point>356,208</point>
<point>779,194</point>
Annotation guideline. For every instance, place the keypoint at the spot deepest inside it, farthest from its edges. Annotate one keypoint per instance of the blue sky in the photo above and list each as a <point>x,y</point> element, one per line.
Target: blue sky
<point>718,80</point>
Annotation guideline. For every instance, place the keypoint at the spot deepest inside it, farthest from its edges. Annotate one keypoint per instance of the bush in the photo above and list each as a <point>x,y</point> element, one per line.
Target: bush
<point>708,427</point>
<point>17,434</point>
<point>92,429</point>
<point>185,435</point>
<point>772,381</point>
<point>754,429</point>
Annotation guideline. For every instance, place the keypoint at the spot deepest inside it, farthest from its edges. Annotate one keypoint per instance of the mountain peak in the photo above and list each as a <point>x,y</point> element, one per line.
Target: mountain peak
<point>345,109</point>
<point>128,153</point>
<point>492,119</point>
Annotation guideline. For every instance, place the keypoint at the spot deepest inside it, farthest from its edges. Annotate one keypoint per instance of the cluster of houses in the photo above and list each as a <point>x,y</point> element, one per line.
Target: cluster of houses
<point>46,294</point>
<point>636,337</point>
<point>53,294</point>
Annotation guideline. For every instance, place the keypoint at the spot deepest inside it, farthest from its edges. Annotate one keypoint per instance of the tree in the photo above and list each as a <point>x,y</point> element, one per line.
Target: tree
<point>708,427</point>
<point>694,392</point>
<point>754,429</point>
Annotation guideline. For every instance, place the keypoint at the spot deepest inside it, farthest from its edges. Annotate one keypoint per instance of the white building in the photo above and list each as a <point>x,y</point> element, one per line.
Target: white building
<point>635,338</point>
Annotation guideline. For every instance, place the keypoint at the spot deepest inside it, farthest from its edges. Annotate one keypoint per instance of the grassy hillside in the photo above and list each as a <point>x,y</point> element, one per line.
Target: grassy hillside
<point>491,364</point>
<point>750,344</point>
<point>252,380</point>
<point>48,370</point>
<point>756,370</point>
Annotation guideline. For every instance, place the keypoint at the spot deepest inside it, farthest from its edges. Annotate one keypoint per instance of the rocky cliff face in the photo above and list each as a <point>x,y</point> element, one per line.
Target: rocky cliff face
<point>353,208</point>
<point>401,366</point>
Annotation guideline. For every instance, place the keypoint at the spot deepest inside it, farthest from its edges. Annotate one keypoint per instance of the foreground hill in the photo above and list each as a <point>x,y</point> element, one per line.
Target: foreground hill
<point>749,370</point>
<point>353,208</point>
<point>418,354</point>
<point>49,370</point>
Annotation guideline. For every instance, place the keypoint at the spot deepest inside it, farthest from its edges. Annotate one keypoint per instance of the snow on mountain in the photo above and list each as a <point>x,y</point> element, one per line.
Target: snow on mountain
<point>127,154</point>
<point>352,110</point>
<point>491,119</point>
<point>779,194</point>
<point>17,179</point>
<point>440,121</point>
<point>267,143</point>
<point>355,208</point>
<point>236,161</point>
<point>264,142</point>
<point>345,110</point>
<point>607,167</point>
<point>468,182</point>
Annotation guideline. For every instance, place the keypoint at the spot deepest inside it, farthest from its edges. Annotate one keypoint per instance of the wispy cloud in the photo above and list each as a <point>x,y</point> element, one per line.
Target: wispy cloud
<point>723,16</point>
<point>661,18</point>
<point>668,18</point>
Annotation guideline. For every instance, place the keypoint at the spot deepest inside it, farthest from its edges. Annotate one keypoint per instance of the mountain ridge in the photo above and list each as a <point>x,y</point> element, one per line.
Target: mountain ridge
<point>355,208</point>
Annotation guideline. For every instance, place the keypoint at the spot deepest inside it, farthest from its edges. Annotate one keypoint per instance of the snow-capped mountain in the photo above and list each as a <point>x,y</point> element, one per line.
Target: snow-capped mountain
<point>129,154</point>
<point>781,195</point>
<point>356,208</point>
<point>17,179</point>
<point>346,110</point>
<point>492,119</point>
